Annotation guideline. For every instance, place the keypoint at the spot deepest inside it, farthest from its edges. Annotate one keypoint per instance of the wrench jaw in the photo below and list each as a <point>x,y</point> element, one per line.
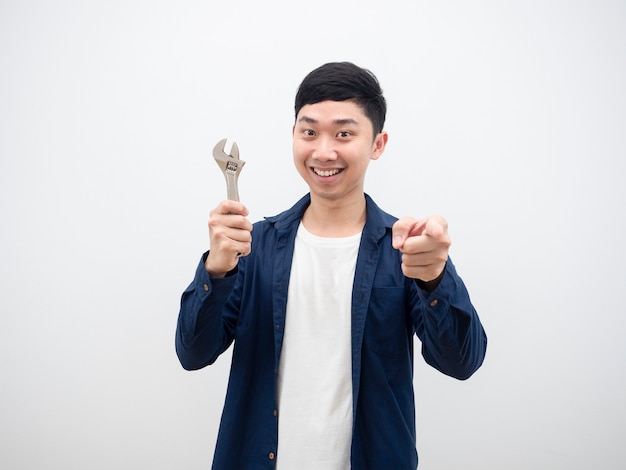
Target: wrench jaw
<point>231,167</point>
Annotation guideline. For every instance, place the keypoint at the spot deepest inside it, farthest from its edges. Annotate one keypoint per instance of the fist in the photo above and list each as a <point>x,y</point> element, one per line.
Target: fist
<point>424,245</point>
<point>230,235</point>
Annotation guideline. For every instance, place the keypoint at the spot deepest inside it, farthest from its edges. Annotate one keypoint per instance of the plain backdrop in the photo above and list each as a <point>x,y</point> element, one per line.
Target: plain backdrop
<point>506,117</point>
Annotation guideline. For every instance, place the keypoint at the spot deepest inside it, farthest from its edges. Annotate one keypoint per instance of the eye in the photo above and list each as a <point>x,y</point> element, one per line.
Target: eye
<point>309,132</point>
<point>344,134</point>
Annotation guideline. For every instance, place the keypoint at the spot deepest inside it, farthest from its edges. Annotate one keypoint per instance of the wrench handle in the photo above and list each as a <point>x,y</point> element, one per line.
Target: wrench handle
<point>231,186</point>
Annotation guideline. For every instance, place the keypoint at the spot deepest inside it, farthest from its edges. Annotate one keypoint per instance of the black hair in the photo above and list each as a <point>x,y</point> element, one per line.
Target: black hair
<point>341,81</point>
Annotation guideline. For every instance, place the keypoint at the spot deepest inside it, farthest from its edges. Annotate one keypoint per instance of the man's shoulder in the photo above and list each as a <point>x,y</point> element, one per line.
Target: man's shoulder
<point>378,216</point>
<point>286,217</point>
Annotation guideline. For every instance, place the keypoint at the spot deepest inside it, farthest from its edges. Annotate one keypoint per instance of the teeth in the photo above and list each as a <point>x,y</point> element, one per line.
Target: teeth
<point>325,173</point>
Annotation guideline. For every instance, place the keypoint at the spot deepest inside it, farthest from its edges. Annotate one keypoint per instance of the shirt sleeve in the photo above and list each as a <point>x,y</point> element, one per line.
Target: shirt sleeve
<point>453,338</point>
<point>205,329</point>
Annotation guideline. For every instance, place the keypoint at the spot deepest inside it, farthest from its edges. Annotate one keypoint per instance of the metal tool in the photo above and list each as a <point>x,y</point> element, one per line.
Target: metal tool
<point>230,165</point>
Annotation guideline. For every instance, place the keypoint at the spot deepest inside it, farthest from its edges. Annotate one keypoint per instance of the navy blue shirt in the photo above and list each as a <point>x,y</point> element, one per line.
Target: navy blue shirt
<point>248,307</point>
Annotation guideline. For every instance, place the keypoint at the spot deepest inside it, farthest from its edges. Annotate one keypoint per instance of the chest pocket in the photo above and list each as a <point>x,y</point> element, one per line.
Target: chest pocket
<point>387,329</point>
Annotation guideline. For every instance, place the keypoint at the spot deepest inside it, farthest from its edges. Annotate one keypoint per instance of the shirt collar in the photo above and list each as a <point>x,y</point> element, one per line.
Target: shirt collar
<point>377,224</point>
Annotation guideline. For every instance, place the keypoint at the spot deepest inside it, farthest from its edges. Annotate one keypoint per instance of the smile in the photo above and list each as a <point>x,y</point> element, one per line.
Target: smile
<point>326,172</point>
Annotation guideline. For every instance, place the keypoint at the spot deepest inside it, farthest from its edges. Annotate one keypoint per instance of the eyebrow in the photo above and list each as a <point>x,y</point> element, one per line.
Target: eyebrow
<point>340,122</point>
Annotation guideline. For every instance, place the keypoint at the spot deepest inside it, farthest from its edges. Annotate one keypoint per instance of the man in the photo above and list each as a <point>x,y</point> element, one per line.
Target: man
<point>322,301</point>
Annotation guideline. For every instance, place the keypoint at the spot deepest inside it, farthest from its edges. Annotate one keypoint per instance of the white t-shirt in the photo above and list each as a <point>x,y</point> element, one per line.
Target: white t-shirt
<point>315,370</point>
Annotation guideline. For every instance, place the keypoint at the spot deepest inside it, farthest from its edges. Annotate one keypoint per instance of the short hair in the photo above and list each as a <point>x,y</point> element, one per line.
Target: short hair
<point>342,81</point>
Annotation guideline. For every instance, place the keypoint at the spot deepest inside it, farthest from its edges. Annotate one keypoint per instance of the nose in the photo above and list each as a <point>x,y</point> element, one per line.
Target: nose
<point>325,150</point>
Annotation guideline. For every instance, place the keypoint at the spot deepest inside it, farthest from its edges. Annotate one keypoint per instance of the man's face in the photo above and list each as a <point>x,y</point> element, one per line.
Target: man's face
<point>333,143</point>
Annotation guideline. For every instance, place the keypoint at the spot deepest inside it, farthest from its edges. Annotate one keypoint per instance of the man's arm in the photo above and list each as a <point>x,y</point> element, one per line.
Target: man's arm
<point>453,338</point>
<point>205,329</point>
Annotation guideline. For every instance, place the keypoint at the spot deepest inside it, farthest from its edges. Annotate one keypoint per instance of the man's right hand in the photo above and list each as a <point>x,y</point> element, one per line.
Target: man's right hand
<point>230,234</point>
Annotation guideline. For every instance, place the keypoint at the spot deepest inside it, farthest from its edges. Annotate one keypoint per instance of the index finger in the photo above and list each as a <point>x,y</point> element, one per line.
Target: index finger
<point>435,227</point>
<point>404,228</point>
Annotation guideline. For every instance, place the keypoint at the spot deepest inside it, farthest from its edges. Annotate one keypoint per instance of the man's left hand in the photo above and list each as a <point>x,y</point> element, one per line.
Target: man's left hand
<point>424,244</point>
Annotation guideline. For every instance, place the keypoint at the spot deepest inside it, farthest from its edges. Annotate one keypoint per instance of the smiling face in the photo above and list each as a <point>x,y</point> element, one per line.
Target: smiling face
<point>333,143</point>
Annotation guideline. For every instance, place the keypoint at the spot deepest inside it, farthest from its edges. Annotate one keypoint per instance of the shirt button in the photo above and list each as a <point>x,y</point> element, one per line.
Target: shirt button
<point>271,456</point>
<point>206,288</point>
<point>434,302</point>
<point>275,412</point>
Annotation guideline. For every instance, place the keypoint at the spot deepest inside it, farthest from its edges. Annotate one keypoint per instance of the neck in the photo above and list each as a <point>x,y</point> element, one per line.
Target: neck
<point>327,218</point>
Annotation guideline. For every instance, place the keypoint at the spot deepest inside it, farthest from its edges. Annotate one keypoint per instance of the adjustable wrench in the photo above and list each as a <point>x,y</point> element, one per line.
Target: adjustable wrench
<point>231,167</point>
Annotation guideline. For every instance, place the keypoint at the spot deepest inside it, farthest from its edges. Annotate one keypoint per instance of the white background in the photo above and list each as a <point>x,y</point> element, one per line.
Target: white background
<point>506,117</point>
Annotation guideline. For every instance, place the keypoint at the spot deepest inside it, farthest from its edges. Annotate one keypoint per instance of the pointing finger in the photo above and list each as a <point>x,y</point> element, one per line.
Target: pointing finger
<point>404,228</point>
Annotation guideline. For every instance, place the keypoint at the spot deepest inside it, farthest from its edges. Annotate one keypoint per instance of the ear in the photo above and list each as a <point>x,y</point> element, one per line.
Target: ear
<point>378,147</point>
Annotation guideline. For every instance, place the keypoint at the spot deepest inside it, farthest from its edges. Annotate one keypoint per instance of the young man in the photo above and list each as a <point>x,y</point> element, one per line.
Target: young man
<point>322,301</point>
